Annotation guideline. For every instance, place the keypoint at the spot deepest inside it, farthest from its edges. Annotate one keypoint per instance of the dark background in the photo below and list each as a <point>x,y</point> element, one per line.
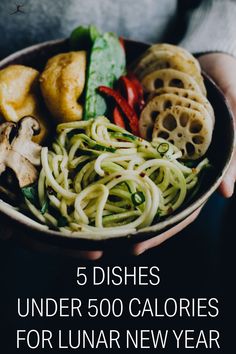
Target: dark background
<point>198,262</point>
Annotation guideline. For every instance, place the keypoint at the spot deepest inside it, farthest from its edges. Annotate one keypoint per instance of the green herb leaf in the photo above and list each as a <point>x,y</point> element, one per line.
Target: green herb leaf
<point>83,37</point>
<point>31,193</point>
<point>124,136</point>
<point>103,148</point>
<point>45,206</point>
<point>138,198</point>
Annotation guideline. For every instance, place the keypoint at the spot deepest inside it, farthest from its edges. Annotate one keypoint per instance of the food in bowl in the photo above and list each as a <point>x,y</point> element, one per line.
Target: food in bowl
<point>131,143</point>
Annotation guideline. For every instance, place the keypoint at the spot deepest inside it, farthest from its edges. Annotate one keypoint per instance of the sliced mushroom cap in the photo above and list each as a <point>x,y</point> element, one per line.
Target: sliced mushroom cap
<point>5,131</point>
<point>23,144</point>
<point>20,154</point>
<point>5,146</point>
<point>25,172</point>
<point>186,129</point>
<point>169,78</point>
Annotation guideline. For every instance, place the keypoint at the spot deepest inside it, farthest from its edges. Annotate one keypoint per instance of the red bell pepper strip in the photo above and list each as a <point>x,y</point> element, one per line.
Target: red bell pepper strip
<point>128,90</point>
<point>118,118</point>
<point>139,89</point>
<point>128,111</point>
<point>131,89</point>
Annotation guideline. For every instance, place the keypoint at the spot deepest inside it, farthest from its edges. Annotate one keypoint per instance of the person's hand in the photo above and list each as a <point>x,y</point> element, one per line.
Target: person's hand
<point>222,68</point>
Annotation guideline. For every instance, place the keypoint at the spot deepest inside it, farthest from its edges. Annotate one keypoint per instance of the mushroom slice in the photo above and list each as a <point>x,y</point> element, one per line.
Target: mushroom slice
<point>5,146</point>
<point>186,129</point>
<point>161,56</point>
<point>20,154</point>
<point>169,78</point>
<point>23,144</point>
<point>25,172</point>
<point>160,103</point>
<point>190,94</point>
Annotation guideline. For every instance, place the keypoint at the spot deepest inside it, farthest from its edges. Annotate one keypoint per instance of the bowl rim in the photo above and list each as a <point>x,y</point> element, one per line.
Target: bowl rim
<point>11,212</point>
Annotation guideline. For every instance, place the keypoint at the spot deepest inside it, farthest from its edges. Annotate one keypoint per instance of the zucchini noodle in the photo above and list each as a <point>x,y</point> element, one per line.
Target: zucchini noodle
<point>99,178</point>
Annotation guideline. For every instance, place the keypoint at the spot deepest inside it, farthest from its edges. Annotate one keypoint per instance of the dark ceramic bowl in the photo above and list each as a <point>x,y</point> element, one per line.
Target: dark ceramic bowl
<point>219,153</point>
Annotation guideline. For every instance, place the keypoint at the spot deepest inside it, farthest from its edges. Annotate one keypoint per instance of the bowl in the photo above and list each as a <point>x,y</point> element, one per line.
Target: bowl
<point>219,153</point>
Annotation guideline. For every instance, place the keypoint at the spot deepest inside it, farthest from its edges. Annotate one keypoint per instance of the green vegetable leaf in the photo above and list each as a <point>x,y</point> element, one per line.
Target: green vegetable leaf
<point>103,148</point>
<point>107,64</point>
<point>94,33</point>
<point>82,38</point>
<point>44,207</point>
<point>31,193</point>
<point>124,136</point>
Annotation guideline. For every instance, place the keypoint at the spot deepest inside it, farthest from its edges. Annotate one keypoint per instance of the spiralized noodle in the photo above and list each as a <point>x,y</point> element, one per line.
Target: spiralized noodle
<point>100,178</point>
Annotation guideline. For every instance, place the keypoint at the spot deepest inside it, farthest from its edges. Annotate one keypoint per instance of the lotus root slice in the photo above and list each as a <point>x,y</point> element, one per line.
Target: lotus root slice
<point>190,94</point>
<point>160,103</point>
<point>168,56</point>
<point>186,129</point>
<point>169,78</point>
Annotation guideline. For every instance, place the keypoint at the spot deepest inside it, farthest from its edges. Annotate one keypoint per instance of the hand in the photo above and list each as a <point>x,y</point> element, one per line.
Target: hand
<point>222,69</point>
